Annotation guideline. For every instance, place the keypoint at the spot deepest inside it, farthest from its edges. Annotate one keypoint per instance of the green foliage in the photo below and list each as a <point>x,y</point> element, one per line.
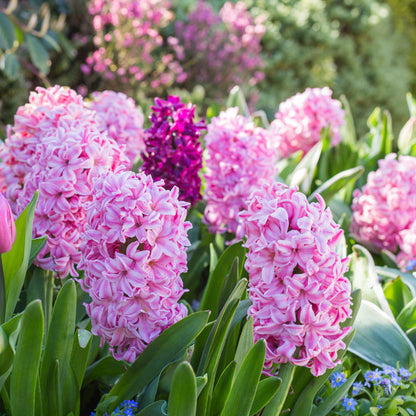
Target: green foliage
<point>352,47</point>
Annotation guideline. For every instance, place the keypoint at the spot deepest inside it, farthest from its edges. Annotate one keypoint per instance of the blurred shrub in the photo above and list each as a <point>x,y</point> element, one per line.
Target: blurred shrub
<point>349,45</point>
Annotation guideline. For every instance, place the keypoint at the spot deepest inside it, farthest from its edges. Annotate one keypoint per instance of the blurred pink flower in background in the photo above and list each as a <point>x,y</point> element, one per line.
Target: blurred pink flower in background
<point>386,206</point>
<point>238,157</point>
<point>300,119</point>
<point>133,252</point>
<point>118,116</point>
<point>297,286</point>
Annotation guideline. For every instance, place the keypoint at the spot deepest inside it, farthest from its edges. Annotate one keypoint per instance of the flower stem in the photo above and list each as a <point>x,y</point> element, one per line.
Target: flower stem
<point>274,407</point>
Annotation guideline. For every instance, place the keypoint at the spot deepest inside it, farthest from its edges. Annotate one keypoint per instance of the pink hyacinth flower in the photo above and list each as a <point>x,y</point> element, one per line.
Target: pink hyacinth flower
<point>133,252</point>
<point>299,294</point>
<point>386,206</point>
<point>238,157</point>
<point>300,119</point>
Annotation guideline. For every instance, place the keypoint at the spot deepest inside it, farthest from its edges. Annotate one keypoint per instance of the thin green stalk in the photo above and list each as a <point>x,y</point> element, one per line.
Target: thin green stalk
<point>2,294</point>
<point>49,286</point>
<point>6,400</point>
<point>274,407</point>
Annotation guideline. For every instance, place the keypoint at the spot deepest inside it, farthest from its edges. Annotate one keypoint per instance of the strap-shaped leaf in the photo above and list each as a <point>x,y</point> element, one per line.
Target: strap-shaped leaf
<point>27,359</point>
<point>158,354</point>
<point>58,346</point>
<point>380,340</point>
<point>210,300</point>
<point>243,391</point>
<point>245,342</point>
<point>183,395</point>
<point>154,409</point>
<point>16,261</point>
<point>266,389</point>
<point>222,388</point>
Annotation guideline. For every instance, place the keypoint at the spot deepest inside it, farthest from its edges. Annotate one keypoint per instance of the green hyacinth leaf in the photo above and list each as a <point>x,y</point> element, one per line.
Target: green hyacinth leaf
<point>380,340</point>
<point>183,393</point>
<point>24,377</point>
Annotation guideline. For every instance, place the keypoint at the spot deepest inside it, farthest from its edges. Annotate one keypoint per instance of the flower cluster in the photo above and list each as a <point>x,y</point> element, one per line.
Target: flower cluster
<point>118,116</point>
<point>133,252</point>
<point>299,294</point>
<point>126,408</point>
<point>173,151</point>
<point>128,36</point>
<point>238,157</point>
<point>55,147</point>
<point>222,50</point>
<point>300,119</point>
<point>378,390</point>
<point>386,206</point>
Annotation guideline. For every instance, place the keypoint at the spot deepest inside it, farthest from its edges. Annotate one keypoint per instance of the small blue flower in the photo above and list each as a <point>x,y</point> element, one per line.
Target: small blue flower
<point>372,377</point>
<point>386,384</point>
<point>404,373</point>
<point>337,379</point>
<point>389,370</point>
<point>410,266</point>
<point>357,387</point>
<point>395,380</point>
<point>349,403</point>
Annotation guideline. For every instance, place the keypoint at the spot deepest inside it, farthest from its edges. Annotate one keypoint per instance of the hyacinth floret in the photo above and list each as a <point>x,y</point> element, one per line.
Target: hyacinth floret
<point>385,208</point>
<point>300,119</point>
<point>55,147</point>
<point>238,157</point>
<point>118,116</point>
<point>173,151</point>
<point>133,252</point>
<point>299,294</point>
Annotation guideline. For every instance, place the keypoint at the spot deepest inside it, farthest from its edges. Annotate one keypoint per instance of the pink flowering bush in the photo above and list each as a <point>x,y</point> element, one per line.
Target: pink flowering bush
<point>133,253</point>
<point>173,151</point>
<point>386,206</point>
<point>128,41</point>
<point>238,157</point>
<point>300,119</point>
<point>221,50</point>
<point>56,147</point>
<point>118,116</point>
<point>299,294</point>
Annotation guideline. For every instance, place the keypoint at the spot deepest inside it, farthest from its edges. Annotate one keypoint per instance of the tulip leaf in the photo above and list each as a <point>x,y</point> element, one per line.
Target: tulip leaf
<point>25,372</point>
<point>363,275</point>
<point>183,395</point>
<point>16,261</point>
<point>379,340</point>
<point>397,294</point>
<point>36,247</point>
<point>163,350</point>
<point>390,273</point>
<point>407,316</point>
<point>106,366</point>
<point>243,391</point>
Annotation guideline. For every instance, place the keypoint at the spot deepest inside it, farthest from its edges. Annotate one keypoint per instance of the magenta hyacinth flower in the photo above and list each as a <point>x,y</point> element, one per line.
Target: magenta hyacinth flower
<point>7,226</point>
<point>386,206</point>
<point>118,116</point>
<point>55,147</point>
<point>133,252</point>
<point>297,286</point>
<point>238,157</point>
<point>300,119</point>
<point>173,151</point>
